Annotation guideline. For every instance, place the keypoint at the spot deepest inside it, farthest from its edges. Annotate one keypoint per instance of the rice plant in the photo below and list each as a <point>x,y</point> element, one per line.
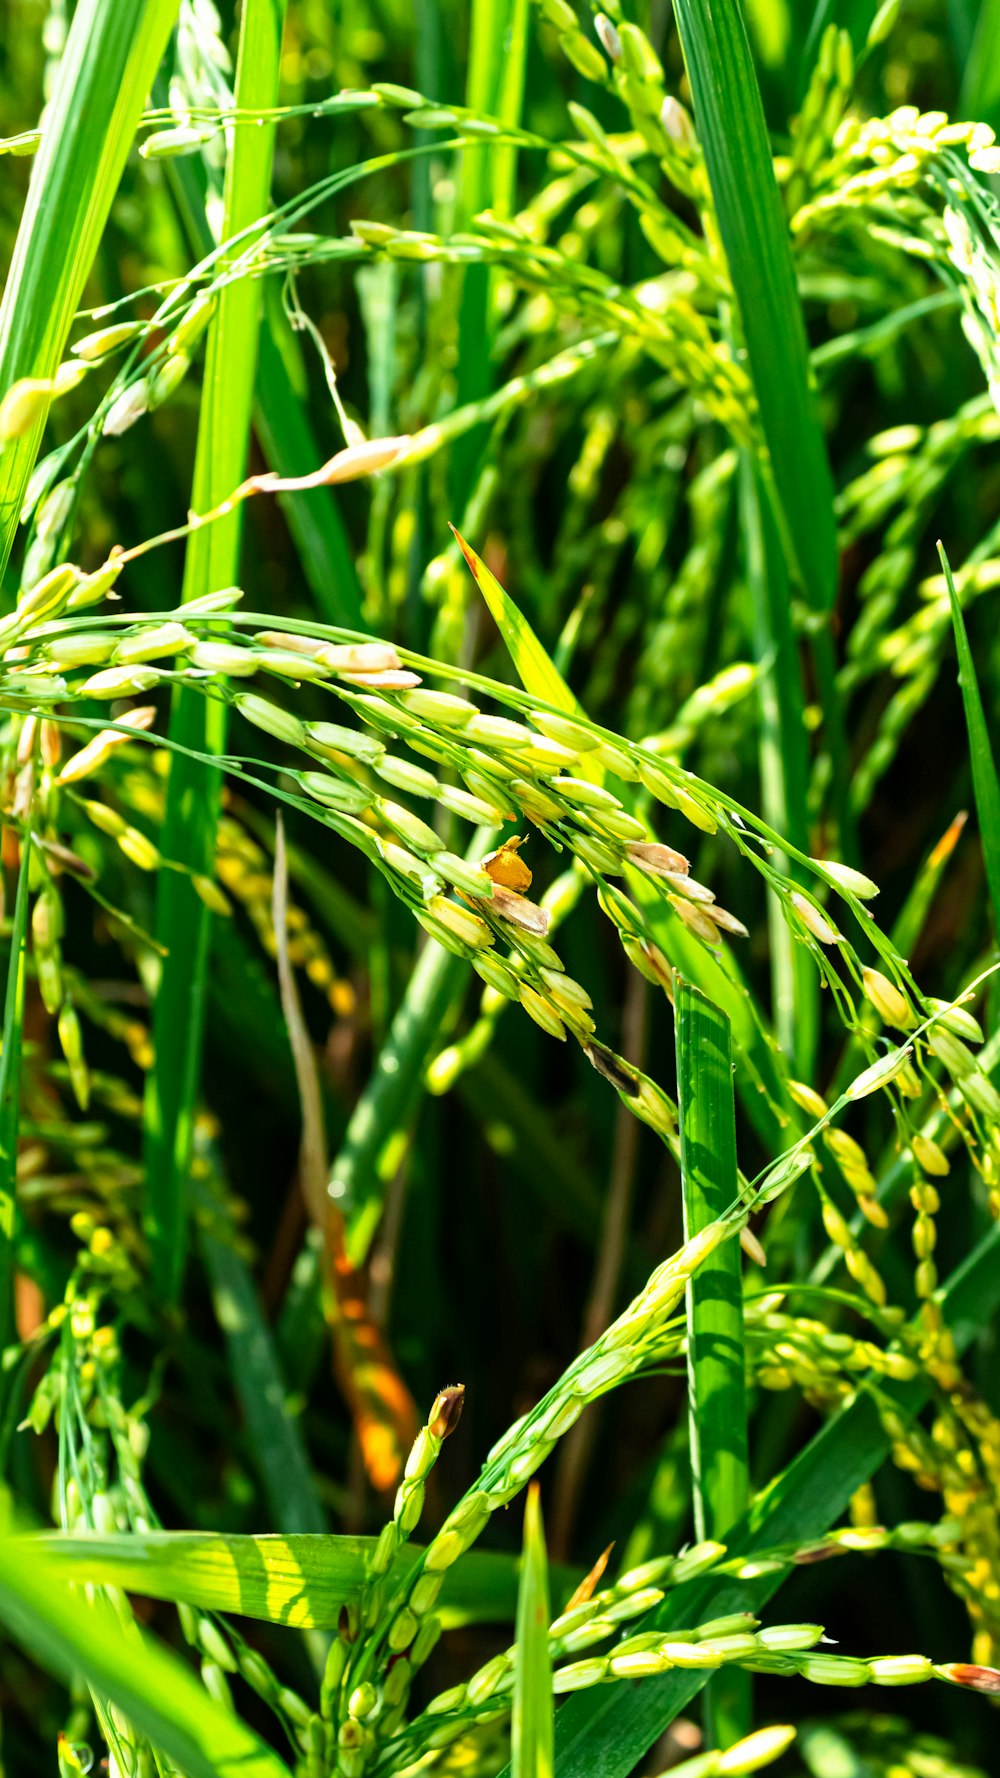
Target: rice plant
<point>500,850</point>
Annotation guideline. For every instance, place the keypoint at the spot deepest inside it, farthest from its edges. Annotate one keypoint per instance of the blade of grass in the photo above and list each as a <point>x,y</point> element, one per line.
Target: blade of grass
<point>72,1636</point>
<point>274,1434</point>
<point>758,1078</point>
<point>980,94</point>
<point>985,784</point>
<point>498,43</point>
<point>10,1097</point>
<point>909,923</point>
<point>962,16</point>
<point>729,118</point>
<point>535,668</point>
<point>783,752</point>
<point>296,1581</point>
<point>105,73</point>
<point>609,1730</point>
<point>716,1362</point>
<point>531,1729</point>
<point>212,561</point>
<point>275,1437</point>
<point>730,122</point>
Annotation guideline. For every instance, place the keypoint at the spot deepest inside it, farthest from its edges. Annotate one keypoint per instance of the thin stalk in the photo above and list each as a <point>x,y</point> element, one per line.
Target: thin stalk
<point>212,561</point>
<point>716,1361</point>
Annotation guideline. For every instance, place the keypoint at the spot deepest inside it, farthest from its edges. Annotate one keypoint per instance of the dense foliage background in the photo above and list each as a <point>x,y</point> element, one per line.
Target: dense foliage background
<point>599,352</point>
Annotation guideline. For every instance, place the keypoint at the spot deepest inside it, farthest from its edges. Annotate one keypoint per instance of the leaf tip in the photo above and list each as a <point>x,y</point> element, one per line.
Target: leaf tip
<point>472,560</point>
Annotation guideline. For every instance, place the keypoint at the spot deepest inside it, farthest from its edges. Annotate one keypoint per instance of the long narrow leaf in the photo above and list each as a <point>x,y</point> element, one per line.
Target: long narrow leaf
<point>985,783</point>
<point>729,118</point>
<point>297,1581</point>
<point>275,1437</point>
<point>536,671</point>
<point>980,94</point>
<point>783,749</point>
<point>104,76</point>
<point>717,1406</point>
<point>212,561</point>
<point>531,1720</point>
<point>283,428</point>
<point>70,1635</point>
<point>730,122</point>
<point>495,85</point>
<point>314,521</point>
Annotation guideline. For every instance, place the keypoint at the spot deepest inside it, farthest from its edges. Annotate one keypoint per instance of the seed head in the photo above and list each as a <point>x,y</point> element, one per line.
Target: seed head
<point>755,1751</point>
<point>126,408</point>
<point>505,868</point>
<point>447,1411</point>
<point>929,1156</point>
<point>608,36</point>
<point>677,122</point>
<point>979,1679</point>
<point>120,682</point>
<point>816,922</point>
<point>94,346</point>
<point>844,877</point>
<point>520,911</point>
<point>889,1003</point>
<point>958,1020</point>
<point>878,1075</point>
<point>661,860</point>
<point>806,1097</point>
<point>607,1063</point>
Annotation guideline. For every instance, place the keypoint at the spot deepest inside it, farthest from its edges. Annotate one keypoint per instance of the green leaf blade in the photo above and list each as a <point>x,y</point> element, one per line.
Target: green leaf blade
<point>729,118</point>
<point>299,1581</point>
<point>717,1404</point>
<point>532,1718</point>
<point>71,1635</point>
<point>534,667</point>
<point>105,73</point>
<point>212,561</point>
<point>985,783</point>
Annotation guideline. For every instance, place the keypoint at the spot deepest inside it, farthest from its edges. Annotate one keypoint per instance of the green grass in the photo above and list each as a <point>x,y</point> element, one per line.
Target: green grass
<point>211,562</point>
<point>717,1406</point>
<point>104,76</point>
<point>499,889</point>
